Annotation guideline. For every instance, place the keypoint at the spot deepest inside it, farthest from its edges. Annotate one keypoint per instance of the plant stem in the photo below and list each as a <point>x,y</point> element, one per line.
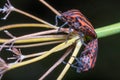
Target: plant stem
<point>108,30</point>
<point>27,36</point>
<point>57,63</point>
<point>101,32</point>
<point>57,48</point>
<point>35,44</point>
<point>33,17</point>
<point>24,25</point>
<point>77,48</point>
<point>50,7</point>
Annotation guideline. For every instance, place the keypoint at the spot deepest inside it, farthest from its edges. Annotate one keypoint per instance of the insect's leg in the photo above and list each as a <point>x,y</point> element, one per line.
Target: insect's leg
<point>56,20</point>
<point>72,65</point>
<point>82,38</point>
<point>79,65</point>
<point>56,23</point>
<point>62,26</point>
<point>70,30</point>
<point>86,50</point>
<point>75,59</point>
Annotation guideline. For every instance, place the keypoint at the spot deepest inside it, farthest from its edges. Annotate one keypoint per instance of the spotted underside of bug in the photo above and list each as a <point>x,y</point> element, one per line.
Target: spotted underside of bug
<point>78,22</point>
<point>88,57</point>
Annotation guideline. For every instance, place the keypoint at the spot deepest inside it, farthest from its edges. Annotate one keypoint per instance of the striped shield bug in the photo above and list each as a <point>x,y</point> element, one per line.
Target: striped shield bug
<point>88,57</point>
<point>77,21</point>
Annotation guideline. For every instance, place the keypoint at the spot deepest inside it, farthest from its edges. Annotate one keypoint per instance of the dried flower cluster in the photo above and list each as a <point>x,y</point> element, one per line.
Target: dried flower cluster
<point>44,37</point>
<point>7,9</point>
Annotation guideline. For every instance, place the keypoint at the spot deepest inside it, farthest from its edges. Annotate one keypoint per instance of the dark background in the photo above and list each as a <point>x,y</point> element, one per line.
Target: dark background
<point>99,12</point>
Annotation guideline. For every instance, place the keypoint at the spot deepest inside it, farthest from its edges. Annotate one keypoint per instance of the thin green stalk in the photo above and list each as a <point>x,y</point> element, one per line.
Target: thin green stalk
<point>108,30</point>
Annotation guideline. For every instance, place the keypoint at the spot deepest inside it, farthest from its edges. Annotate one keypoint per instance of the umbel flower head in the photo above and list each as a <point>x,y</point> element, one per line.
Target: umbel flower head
<point>73,40</point>
<point>7,9</point>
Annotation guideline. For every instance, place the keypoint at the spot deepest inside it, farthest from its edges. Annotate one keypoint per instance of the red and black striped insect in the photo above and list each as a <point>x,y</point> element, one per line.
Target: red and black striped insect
<point>78,22</point>
<point>88,57</point>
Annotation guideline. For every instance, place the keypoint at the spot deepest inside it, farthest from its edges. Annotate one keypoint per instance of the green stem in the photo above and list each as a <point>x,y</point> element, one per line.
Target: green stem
<point>108,30</point>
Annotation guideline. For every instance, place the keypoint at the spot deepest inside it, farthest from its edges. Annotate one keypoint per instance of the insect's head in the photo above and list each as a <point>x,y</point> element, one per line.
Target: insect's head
<point>66,17</point>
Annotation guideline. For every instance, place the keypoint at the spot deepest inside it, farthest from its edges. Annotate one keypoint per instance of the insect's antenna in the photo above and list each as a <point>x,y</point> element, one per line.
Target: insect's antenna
<point>50,7</point>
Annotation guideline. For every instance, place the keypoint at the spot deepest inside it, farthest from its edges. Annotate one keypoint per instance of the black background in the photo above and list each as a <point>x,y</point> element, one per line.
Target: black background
<point>99,12</point>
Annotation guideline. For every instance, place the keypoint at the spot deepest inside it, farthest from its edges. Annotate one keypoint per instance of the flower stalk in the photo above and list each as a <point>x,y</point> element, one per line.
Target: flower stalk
<point>77,48</point>
<point>57,48</point>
